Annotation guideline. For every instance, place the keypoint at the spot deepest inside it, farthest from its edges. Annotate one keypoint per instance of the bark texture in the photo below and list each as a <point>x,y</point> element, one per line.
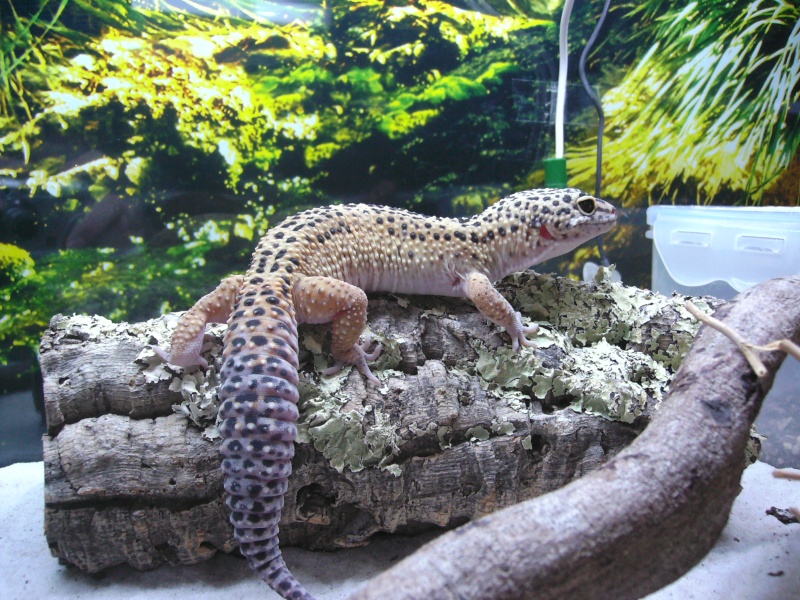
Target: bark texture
<point>644,518</point>
<point>459,428</point>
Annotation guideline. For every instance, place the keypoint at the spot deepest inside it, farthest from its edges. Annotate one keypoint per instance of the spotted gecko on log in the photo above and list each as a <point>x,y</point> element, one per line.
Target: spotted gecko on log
<point>315,267</point>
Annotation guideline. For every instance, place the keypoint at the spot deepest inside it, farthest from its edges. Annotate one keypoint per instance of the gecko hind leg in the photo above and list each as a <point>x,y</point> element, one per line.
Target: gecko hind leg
<point>325,299</point>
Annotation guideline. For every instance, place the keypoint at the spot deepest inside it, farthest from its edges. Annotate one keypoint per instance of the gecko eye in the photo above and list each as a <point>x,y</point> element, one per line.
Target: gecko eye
<point>586,205</point>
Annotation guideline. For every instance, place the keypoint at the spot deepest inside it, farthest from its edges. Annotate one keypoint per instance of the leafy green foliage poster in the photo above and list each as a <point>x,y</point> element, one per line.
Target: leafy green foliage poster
<point>146,145</point>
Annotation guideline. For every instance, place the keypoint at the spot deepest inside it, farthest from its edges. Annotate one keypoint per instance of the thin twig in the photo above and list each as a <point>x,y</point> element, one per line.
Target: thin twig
<point>787,346</point>
<point>745,348</point>
<point>792,474</point>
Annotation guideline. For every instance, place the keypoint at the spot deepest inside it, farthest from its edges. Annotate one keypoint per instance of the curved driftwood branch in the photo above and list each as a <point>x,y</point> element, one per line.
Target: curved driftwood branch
<point>648,515</point>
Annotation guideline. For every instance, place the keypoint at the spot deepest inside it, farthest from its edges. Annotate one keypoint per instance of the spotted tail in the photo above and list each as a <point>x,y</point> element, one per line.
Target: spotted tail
<point>258,412</point>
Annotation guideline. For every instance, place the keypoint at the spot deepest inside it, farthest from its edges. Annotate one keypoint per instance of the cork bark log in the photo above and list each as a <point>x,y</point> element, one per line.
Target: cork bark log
<point>459,428</point>
<point>645,517</point>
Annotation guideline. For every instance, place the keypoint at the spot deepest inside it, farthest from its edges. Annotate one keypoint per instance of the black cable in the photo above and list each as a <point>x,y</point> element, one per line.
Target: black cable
<point>601,118</point>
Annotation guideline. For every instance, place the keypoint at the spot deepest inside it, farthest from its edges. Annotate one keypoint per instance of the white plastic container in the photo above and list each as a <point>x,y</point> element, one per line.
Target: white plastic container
<point>721,251</point>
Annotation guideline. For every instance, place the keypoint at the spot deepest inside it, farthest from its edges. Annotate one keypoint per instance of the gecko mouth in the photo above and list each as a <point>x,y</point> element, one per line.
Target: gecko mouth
<point>544,233</point>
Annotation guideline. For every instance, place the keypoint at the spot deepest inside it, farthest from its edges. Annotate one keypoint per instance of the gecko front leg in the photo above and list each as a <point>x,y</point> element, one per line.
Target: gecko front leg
<point>187,339</point>
<point>497,309</point>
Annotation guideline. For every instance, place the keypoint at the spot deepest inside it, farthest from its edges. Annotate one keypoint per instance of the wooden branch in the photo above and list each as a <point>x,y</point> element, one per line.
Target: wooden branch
<point>644,518</point>
<point>460,427</point>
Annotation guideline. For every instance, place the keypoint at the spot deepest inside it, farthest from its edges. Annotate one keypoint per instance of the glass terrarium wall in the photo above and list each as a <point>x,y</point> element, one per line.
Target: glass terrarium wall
<point>146,145</point>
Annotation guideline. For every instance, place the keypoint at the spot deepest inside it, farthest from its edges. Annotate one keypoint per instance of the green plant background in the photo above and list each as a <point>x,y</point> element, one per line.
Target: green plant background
<point>151,146</point>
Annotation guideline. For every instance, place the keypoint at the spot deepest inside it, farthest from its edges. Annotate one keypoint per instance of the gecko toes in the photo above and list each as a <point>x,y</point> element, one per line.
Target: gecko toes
<point>357,357</point>
<point>375,353</point>
<point>519,333</point>
<point>160,352</point>
<point>180,360</point>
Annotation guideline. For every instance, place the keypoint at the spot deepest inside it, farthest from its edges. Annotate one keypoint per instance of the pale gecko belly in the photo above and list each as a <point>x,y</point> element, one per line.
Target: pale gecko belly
<point>424,284</point>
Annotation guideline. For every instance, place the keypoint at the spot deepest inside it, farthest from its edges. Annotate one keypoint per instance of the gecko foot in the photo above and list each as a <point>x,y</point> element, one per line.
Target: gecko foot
<point>519,333</point>
<point>358,357</point>
<point>187,359</point>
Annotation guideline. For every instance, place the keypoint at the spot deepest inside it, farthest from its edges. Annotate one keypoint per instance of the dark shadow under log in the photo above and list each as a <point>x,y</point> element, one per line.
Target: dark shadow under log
<point>645,517</point>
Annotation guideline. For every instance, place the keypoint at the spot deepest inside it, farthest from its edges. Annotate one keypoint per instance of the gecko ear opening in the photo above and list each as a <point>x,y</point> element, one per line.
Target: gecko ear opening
<point>586,205</point>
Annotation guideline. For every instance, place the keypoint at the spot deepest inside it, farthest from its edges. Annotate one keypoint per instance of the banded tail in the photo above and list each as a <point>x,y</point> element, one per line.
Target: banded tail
<point>258,410</point>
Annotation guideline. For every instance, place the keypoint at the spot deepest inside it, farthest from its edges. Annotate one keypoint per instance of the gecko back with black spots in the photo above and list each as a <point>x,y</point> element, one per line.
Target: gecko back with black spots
<point>315,267</point>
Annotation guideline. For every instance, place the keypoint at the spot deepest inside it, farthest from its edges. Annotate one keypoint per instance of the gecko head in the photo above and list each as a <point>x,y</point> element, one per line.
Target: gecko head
<point>562,217</point>
<point>544,223</point>
<point>570,216</point>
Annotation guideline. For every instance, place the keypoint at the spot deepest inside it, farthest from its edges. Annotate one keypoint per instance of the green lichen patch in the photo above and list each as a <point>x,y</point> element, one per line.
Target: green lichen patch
<point>613,383</point>
<point>753,448</point>
<point>514,399</point>
<point>507,368</point>
<point>89,328</point>
<point>153,367</point>
<point>312,340</point>
<point>390,357</point>
<point>436,311</point>
<point>600,378</point>
<point>503,428</point>
<point>394,469</point>
<point>200,403</point>
<point>347,433</point>
<point>683,332</point>
<point>478,433</point>
<point>590,311</point>
<point>524,369</point>
<point>198,387</point>
<point>402,301</point>
<point>444,433</point>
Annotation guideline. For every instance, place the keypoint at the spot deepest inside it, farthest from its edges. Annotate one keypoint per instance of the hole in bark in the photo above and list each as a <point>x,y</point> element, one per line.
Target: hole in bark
<point>167,554</point>
<point>552,403</point>
<point>537,443</point>
<point>206,550</point>
<point>314,504</point>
